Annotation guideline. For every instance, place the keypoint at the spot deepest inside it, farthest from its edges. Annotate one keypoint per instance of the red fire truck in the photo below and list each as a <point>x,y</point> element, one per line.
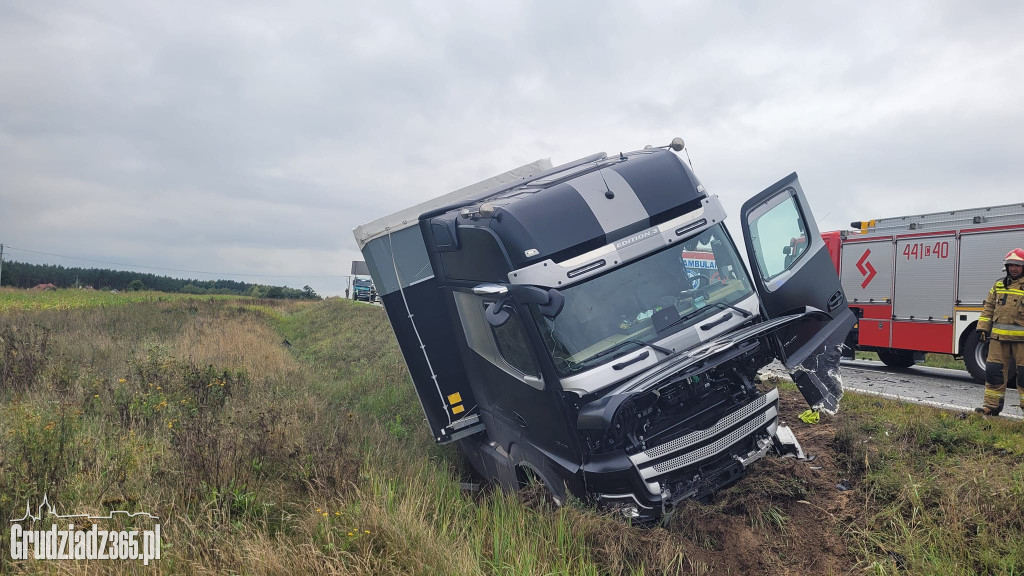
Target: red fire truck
<point>917,283</point>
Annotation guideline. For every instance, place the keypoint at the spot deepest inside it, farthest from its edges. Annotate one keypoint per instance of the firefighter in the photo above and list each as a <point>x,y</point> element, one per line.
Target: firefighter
<point>1002,324</point>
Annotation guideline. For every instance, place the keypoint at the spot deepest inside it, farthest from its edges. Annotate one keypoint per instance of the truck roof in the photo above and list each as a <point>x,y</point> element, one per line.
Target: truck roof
<point>410,216</point>
<point>529,214</point>
<point>582,206</point>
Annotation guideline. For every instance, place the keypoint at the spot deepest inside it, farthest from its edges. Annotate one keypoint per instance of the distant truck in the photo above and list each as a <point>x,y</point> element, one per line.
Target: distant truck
<point>593,327</point>
<point>917,283</point>
<point>363,290</point>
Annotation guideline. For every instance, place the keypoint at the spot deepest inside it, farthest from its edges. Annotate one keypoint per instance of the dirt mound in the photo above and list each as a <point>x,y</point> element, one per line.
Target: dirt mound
<point>786,516</point>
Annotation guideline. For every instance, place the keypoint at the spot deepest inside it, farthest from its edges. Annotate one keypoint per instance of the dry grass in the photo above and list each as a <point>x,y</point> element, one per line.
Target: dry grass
<point>265,458</point>
<point>245,343</point>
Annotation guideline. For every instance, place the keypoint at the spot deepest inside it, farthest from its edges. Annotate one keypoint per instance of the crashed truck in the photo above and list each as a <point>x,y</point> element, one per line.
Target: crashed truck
<point>591,326</point>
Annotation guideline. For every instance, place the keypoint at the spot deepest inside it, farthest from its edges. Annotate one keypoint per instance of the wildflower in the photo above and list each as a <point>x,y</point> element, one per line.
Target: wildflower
<point>349,533</point>
<point>170,424</point>
<point>120,381</point>
<point>317,509</point>
<point>337,513</point>
<point>367,531</point>
<point>95,395</point>
<point>325,514</point>
<point>159,388</point>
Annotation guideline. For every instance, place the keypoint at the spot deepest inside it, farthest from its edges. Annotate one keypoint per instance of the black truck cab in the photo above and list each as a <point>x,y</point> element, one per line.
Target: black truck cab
<point>593,326</point>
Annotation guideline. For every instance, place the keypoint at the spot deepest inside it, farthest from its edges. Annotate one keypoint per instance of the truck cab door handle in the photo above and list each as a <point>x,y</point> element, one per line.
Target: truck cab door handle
<point>835,301</point>
<point>520,420</point>
<point>711,325</point>
<point>638,358</point>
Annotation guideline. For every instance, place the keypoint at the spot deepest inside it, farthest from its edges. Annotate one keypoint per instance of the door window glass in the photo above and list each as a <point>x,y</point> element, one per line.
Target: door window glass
<point>514,346</point>
<point>777,232</point>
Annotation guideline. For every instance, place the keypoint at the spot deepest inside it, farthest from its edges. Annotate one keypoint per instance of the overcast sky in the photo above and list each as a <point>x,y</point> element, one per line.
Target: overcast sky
<point>248,138</point>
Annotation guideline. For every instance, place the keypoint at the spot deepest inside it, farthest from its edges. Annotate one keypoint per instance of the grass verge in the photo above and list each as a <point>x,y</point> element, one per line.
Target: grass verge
<point>284,437</point>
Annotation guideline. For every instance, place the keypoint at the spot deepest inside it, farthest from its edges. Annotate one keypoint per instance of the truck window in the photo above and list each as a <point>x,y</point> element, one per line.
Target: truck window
<point>603,311</point>
<point>514,346</point>
<point>777,233</point>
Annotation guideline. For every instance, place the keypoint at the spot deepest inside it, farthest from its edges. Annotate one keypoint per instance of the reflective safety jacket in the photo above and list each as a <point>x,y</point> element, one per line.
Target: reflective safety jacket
<point>1003,314</point>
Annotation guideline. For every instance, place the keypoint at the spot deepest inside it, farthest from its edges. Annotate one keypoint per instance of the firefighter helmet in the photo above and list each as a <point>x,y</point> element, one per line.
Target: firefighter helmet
<point>1015,256</point>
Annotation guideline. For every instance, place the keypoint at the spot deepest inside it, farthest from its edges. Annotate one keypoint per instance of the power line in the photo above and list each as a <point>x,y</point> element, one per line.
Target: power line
<point>8,247</point>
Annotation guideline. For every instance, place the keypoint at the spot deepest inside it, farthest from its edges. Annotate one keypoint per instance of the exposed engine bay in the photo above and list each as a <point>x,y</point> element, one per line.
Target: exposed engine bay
<point>689,400</point>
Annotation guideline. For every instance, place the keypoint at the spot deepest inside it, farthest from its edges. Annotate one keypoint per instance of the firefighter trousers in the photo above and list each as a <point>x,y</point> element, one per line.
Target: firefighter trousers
<point>1000,355</point>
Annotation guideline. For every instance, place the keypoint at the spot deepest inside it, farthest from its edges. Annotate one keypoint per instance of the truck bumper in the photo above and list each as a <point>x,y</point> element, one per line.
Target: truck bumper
<point>648,484</point>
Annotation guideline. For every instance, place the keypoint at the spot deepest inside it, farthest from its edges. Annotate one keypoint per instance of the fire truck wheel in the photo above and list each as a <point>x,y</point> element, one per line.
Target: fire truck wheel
<point>896,358</point>
<point>974,353</point>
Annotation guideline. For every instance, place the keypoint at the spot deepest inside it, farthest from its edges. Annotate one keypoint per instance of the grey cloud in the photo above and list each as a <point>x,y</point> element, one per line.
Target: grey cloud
<point>253,137</point>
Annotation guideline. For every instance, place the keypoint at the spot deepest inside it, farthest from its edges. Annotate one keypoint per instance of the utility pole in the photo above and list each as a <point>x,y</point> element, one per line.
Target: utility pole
<point>1,264</point>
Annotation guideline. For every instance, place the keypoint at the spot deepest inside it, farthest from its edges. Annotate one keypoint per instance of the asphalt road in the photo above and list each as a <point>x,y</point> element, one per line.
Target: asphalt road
<point>939,387</point>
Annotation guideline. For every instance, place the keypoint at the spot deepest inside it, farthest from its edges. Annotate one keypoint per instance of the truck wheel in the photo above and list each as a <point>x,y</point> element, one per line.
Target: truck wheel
<point>528,476</point>
<point>975,351</point>
<point>896,358</point>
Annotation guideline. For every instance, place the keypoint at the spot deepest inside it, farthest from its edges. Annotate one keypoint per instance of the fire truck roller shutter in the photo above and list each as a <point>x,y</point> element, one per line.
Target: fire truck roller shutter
<point>867,271</point>
<point>925,273</point>
<point>980,263</point>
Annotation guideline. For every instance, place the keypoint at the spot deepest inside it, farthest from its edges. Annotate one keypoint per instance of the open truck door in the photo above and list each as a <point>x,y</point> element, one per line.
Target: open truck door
<point>792,270</point>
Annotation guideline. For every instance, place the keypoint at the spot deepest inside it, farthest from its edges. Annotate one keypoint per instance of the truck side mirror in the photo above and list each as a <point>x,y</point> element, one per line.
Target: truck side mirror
<point>786,250</point>
<point>496,314</point>
<point>549,302</point>
<point>555,304</point>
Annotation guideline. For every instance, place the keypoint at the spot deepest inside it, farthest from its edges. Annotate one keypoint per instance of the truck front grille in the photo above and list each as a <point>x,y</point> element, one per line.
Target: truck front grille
<point>699,436</point>
<point>725,433</point>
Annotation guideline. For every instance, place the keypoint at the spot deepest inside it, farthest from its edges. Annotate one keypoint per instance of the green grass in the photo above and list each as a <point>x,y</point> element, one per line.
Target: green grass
<point>68,299</point>
<point>933,360</point>
<point>285,437</point>
<point>944,490</point>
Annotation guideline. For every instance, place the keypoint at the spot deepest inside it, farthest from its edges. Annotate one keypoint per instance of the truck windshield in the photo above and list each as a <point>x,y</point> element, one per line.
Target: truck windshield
<point>608,310</point>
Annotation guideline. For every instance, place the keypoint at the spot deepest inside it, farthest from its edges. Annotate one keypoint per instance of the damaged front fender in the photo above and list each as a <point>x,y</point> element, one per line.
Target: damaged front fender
<point>815,365</point>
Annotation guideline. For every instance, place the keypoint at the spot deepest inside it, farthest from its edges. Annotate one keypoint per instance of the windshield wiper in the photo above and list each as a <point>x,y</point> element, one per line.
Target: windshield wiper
<point>615,347</point>
<point>698,311</point>
<point>746,313</point>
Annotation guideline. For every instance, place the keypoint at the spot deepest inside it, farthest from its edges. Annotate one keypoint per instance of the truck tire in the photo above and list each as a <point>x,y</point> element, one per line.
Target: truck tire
<point>975,352</point>
<point>896,358</point>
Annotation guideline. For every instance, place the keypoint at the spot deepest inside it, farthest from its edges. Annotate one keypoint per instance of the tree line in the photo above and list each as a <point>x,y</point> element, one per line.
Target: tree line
<point>23,275</point>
